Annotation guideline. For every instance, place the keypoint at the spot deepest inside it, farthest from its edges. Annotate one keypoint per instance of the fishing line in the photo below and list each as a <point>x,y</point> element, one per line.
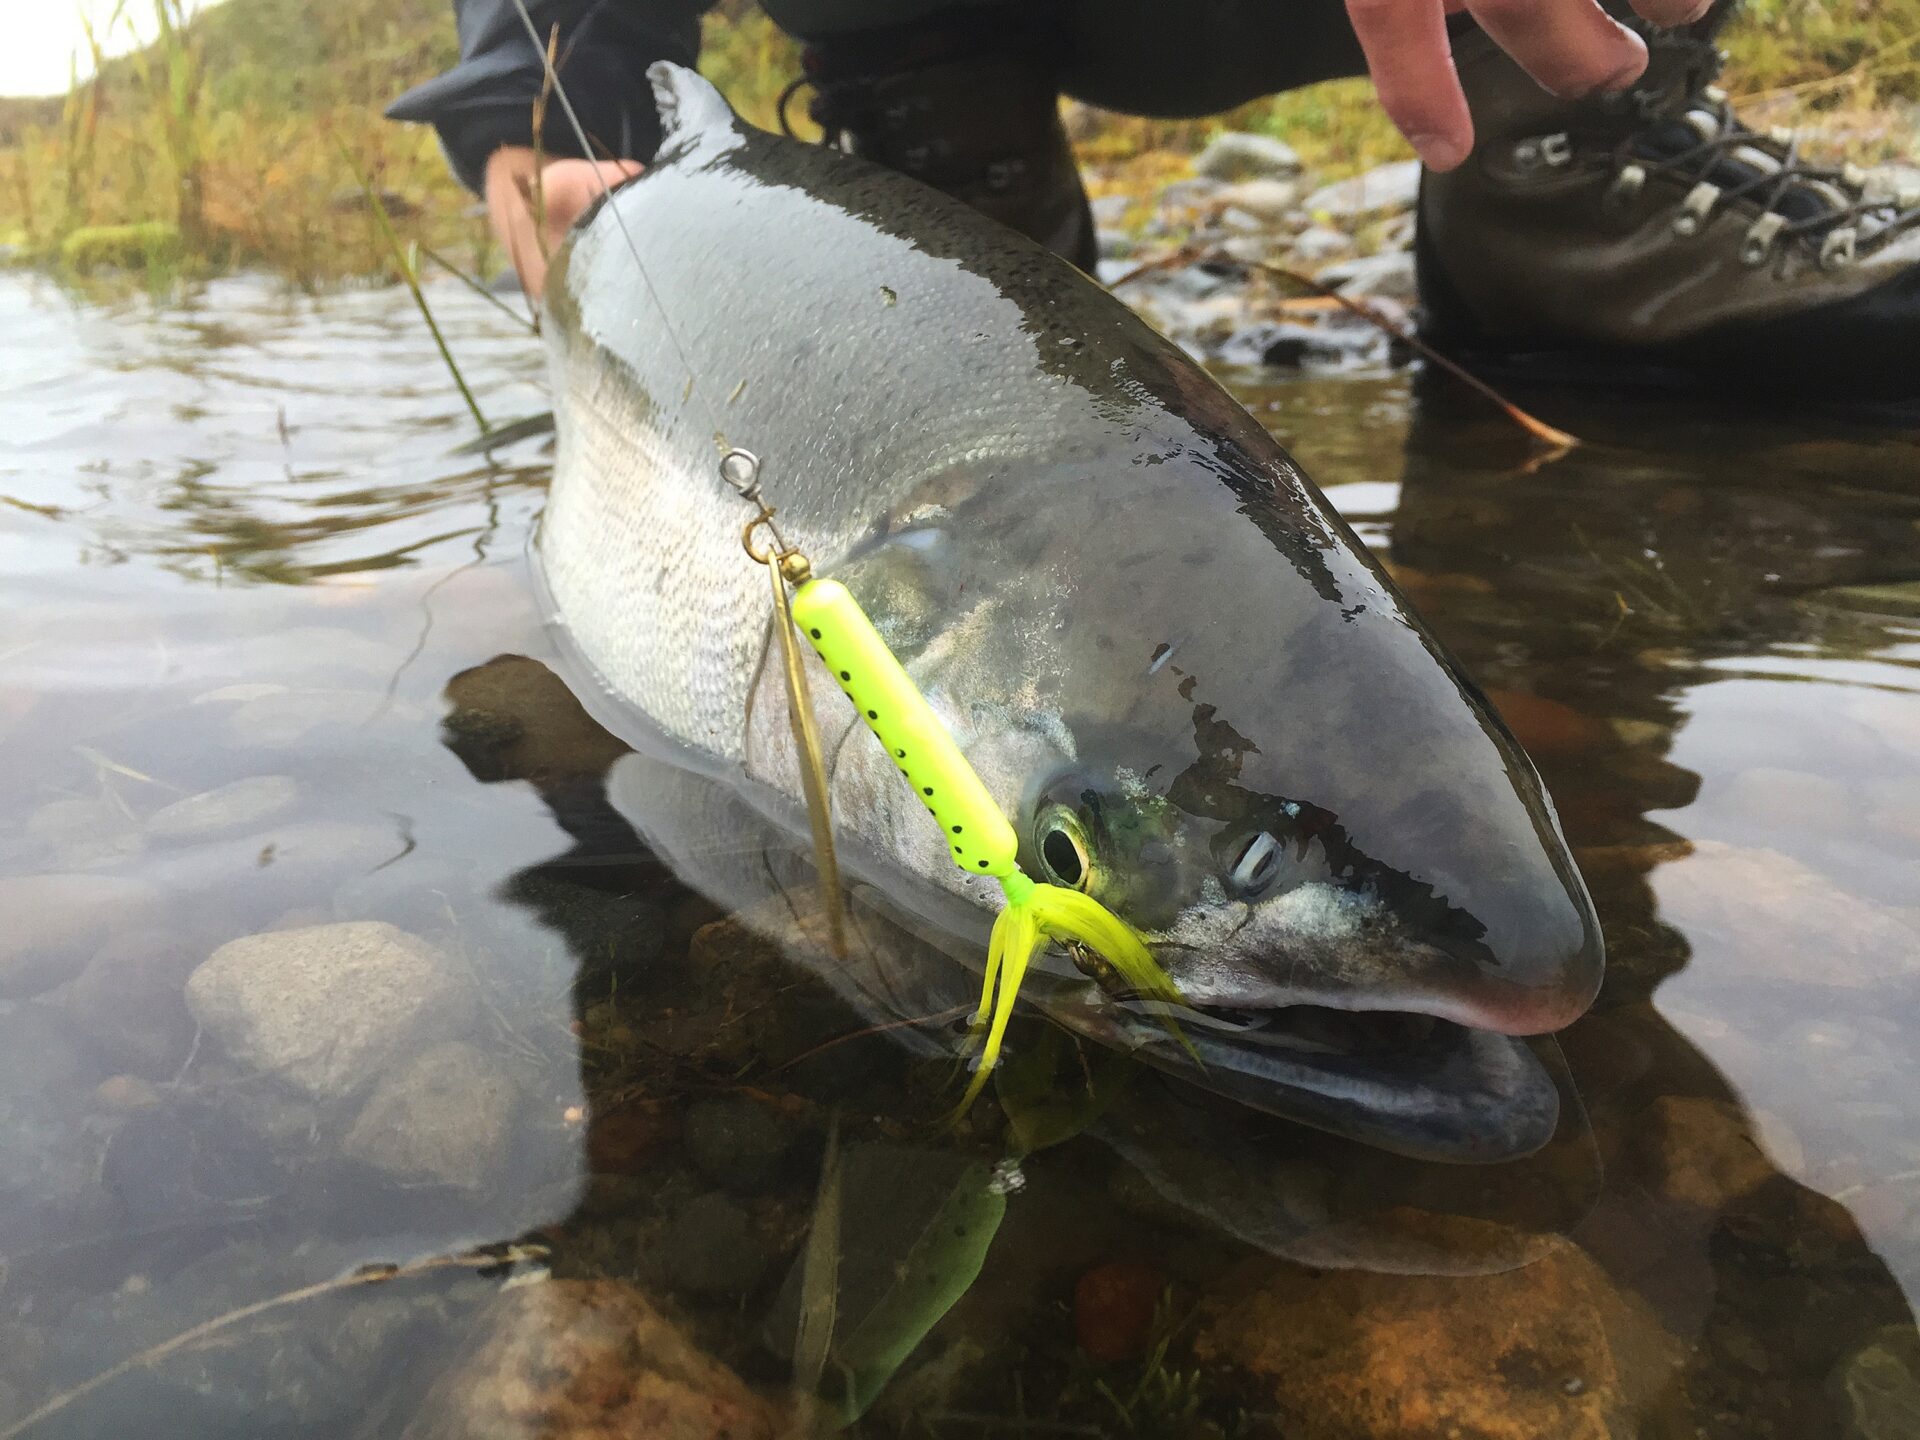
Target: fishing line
<point>606,194</point>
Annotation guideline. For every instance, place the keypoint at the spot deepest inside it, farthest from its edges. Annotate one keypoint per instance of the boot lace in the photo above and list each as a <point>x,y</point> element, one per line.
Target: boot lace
<point>1826,210</point>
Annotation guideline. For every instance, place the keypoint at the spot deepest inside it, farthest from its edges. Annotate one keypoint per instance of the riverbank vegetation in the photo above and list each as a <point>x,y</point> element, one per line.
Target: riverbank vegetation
<point>235,139</point>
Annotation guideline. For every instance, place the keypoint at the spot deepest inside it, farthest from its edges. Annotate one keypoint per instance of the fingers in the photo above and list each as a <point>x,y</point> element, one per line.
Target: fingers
<point>1411,60</point>
<point>571,186</point>
<point>1672,12</point>
<point>532,206</point>
<point>1572,47</point>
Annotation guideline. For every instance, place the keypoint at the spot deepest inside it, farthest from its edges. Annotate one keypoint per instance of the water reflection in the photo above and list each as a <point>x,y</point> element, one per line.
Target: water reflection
<point>1691,626</point>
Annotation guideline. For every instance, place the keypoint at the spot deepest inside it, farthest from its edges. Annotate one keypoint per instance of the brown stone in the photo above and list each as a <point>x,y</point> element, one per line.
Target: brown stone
<point>1547,727</point>
<point>514,719</point>
<point>1549,1349</point>
<point>588,1360</point>
<point>1113,1307</point>
<point>1700,1151</point>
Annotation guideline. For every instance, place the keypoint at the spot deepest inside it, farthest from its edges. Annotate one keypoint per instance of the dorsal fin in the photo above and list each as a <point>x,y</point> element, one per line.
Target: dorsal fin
<point>691,110</point>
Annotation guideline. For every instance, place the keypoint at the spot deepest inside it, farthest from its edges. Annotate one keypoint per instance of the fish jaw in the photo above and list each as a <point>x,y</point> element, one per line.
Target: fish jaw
<point>1327,944</point>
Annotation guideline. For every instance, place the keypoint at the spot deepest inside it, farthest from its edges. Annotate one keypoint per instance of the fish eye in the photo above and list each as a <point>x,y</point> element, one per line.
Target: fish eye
<point>1063,854</point>
<point>1256,865</point>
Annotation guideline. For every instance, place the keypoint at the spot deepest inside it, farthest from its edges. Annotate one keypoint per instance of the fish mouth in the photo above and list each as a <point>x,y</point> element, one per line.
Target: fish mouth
<point>1409,1082</point>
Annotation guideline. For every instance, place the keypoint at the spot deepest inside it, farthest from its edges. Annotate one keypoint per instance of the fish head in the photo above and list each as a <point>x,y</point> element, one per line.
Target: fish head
<point>1203,704</point>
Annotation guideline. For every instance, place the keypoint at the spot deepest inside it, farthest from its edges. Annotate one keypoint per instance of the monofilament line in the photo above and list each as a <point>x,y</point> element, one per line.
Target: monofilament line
<point>606,194</point>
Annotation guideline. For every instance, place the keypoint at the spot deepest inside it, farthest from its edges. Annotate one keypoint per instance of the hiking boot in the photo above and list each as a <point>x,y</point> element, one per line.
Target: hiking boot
<point>1651,234</point>
<point>972,110</point>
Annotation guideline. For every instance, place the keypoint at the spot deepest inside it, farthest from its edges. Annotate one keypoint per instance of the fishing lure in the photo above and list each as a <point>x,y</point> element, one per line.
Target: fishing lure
<point>979,838</point>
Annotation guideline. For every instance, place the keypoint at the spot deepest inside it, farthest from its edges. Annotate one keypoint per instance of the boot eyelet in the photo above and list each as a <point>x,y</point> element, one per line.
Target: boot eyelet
<point>1556,150</point>
<point>1838,248</point>
<point>1758,244</point>
<point>1626,186</point>
<point>1696,209</point>
<point>1853,177</point>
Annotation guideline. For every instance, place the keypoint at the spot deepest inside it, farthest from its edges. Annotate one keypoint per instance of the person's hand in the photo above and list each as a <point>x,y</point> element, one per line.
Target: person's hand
<point>1572,47</point>
<point>531,216</point>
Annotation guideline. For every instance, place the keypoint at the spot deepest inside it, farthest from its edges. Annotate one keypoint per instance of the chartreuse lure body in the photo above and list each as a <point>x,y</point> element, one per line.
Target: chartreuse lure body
<point>978,836</point>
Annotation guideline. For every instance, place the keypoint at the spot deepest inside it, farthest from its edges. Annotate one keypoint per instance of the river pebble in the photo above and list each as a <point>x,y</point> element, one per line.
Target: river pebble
<point>1386,189</point>
<point>330,1007</point>
<point>304,1373</point>
<point>1550,1349</point>
<point>130,1001</point>
<point>54,923</point>
<point>1242,155</point>
<point>48,1160</point>
<point>735,1142</point>
<point>1389,274</point>
<point>79,834</point>
<point>229,810</point>
<point>445,1117</point>
<point>573,1359</point>
<point>289,720</point>
<point>1318,244</point>
<point>1268,202</point>
<point>710,1247</point>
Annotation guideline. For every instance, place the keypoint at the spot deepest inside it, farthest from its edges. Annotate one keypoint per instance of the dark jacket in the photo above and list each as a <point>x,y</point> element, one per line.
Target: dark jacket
<point>605,46</point>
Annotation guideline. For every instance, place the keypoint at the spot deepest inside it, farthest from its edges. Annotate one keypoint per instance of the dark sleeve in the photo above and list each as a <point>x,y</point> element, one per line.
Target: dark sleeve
<point>486,101</point>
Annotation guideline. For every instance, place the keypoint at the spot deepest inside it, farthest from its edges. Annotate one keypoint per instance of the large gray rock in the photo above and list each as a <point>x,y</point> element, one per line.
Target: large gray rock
<point>1386,189</point>
<point>1239,155</point>
<point>50,925</point>
<point>328,1008</point>
<point>229,810</point>
<point>444,1118</point>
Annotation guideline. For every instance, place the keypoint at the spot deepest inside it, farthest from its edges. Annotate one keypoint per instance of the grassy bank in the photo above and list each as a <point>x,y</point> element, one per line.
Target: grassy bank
<point>241,131</point>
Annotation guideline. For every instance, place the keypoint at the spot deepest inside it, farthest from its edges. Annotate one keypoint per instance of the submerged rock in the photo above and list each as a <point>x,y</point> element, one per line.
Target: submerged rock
<point>229,810</point>
<point>50,925</point>
<point>304,1370</point>
<point>78,834</point>
<point>1700,1151</point>
<point>1241,155</point>
<point>444,1118</point>
<point>710,1247</point>
<point>1549,1349</point>
<point>735,1142</point>
<point>1785,920</point>
<point>288,720</point>
<point>130,1001</point>
<point>48,1161</point>
<point>330,1007</point>
<point>584,1359</point>
<point>1881,1386</point>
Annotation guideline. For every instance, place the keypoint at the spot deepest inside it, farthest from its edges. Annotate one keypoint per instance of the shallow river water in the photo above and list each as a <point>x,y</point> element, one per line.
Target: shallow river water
<point>321,953</point>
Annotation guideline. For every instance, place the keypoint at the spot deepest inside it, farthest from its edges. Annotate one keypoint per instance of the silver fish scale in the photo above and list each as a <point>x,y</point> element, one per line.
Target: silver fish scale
<point>854,363</point>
